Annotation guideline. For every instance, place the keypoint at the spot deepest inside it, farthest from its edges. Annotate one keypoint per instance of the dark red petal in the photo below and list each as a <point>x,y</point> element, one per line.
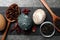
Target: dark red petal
<point>26,11</point>
<point>34,29</point>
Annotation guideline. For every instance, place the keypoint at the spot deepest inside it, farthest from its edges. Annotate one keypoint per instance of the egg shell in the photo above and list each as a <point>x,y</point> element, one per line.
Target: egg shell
<point>2,22</point>
<point>24,22</point>
<point>39,16</point>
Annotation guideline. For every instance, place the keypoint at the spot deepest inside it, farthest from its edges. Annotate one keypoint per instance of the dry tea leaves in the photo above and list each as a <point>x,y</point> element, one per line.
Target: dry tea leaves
<point>12,12</point>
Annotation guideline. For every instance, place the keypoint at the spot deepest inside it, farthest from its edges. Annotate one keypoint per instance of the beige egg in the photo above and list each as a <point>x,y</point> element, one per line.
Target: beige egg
<point>2,22</point>
<point>39,16</point>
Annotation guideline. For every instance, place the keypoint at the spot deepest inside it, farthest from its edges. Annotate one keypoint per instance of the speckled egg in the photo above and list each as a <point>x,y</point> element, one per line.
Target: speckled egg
<point>2,22</point>
<point>24,21</point>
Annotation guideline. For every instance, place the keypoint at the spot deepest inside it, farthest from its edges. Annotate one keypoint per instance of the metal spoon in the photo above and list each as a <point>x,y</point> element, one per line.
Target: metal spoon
<point>55,18</point>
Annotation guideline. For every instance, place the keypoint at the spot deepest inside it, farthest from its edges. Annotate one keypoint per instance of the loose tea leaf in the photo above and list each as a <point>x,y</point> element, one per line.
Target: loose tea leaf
<point>47,29</point>
<point>12,12</point>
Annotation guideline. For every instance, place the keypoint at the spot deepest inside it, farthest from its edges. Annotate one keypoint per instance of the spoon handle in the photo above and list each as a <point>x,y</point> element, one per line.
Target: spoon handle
<point>47,6</point>
<point>5,33</point>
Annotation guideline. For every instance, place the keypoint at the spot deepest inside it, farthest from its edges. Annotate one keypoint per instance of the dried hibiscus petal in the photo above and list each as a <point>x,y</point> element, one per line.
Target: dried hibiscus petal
<point>34,29</point>
<point>25,11</point>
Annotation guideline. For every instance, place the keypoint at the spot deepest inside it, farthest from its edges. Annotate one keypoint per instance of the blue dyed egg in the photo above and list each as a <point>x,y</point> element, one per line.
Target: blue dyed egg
<point>24,21</point>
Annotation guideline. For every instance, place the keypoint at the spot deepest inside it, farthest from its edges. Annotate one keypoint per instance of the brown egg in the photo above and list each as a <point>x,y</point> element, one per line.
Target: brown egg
<point>2,22</point>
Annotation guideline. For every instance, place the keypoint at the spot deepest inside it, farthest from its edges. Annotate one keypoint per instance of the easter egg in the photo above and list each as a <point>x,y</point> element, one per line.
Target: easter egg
<point>39,16</point>
<point>2,22</point>
<point>24,21</point>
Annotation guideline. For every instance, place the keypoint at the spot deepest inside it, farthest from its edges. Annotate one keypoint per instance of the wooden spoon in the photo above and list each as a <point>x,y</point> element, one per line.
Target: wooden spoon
<point>5,33</point>
<point>11,15</point>
<point>55,18</point>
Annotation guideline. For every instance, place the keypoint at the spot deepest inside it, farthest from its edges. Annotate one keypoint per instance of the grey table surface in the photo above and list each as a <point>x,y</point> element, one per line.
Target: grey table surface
<point>30,3</point>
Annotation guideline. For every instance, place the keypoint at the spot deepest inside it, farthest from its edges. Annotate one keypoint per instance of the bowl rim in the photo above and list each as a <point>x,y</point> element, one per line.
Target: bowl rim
<point>52,32</point>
